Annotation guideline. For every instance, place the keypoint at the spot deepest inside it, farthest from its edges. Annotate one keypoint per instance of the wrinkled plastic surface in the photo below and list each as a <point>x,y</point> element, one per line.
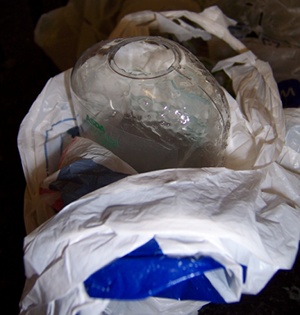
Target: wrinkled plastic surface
<point>272,20</point>
<point>244,214</point>
<point>292,122</point>
<point>219,235</point>
<point>148,272</point>
<point>270,29</point>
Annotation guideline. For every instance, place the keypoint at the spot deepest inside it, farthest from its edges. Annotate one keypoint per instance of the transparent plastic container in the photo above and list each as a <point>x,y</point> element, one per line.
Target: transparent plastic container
<point>152,103</point>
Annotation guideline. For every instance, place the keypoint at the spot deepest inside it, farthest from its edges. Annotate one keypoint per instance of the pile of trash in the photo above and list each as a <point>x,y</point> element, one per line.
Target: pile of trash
<point>104,239</point>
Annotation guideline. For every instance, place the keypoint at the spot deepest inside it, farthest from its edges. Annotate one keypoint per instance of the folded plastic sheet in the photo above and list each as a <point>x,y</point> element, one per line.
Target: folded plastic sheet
<point>238,218</point>
<point>245,216</point>
<point>209,22</point>
<point>148,272</point>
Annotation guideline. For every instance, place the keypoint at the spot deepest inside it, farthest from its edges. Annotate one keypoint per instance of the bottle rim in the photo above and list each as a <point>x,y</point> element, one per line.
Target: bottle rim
<point>163,43</point>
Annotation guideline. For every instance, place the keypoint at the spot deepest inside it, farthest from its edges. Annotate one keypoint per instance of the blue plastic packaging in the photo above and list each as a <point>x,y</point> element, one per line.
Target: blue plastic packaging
<point>148,272</point>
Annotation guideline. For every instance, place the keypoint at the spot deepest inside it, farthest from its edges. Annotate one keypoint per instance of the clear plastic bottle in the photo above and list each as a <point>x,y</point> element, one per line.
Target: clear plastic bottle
<point>151,102</point>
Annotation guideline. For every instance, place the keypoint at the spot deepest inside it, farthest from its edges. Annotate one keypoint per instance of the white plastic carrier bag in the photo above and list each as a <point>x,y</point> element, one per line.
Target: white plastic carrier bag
<point>103,239</point>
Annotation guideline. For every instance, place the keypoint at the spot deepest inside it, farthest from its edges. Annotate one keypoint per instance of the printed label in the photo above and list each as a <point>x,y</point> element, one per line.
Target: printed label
<point>102,135</point>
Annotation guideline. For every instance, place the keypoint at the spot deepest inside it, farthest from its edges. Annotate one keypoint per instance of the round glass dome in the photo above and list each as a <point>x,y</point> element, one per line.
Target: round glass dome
<point>151,102</point>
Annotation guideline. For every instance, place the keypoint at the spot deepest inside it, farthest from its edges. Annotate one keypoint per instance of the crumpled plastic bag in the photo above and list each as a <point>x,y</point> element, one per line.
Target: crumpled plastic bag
<point>241,215</point>
<point>270,29</point>
<point>210,21</point>
<point>275,21</point>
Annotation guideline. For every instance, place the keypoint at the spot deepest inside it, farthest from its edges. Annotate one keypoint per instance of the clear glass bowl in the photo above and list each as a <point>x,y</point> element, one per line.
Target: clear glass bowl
<point>151,102</point>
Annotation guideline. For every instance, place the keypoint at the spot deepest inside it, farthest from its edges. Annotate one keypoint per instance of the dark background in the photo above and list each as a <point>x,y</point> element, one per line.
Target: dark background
<point>24,70</point>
